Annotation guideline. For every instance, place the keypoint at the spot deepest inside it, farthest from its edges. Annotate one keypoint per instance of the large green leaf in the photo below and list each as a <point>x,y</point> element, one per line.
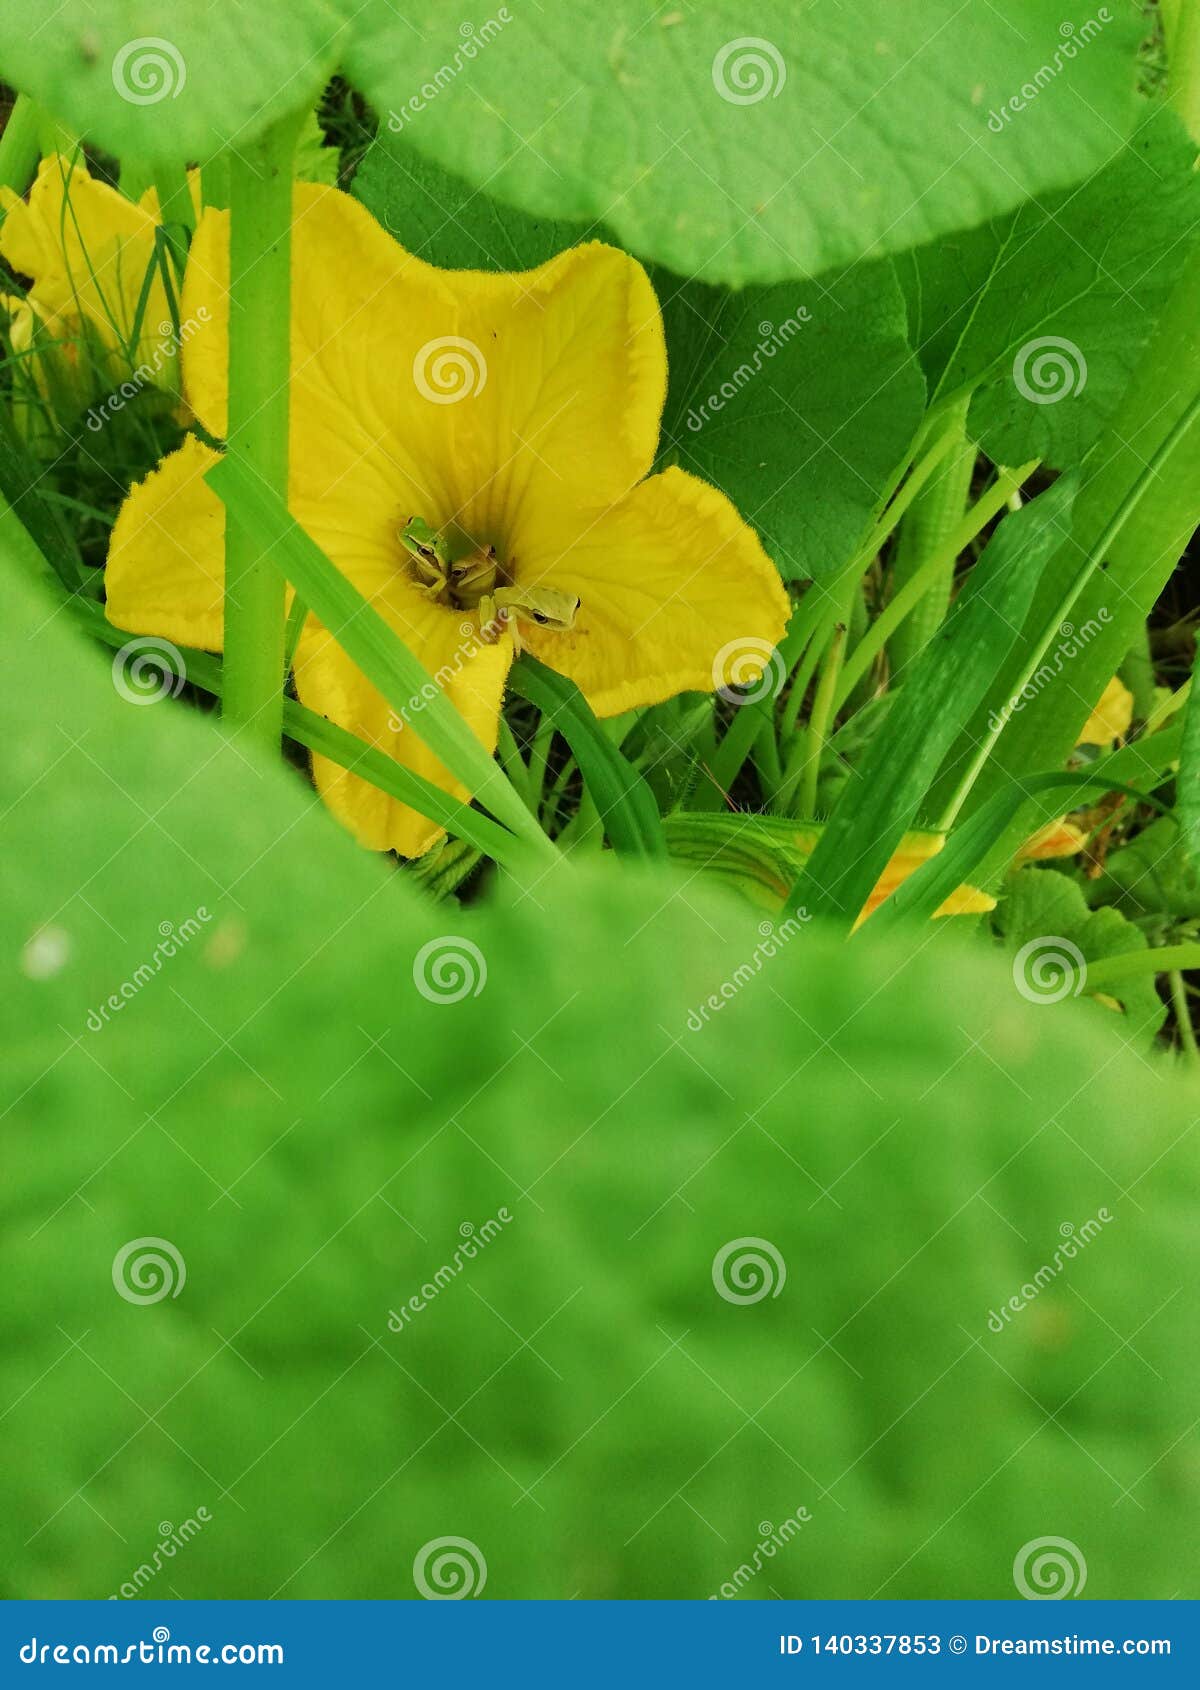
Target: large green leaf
<point>754,142</point>
<point>1047,313</point>
<point>798,401</point>
<point>1055,938</point>
<point>445,220</point>
<point>171,83</point>
<point>317,1137</point>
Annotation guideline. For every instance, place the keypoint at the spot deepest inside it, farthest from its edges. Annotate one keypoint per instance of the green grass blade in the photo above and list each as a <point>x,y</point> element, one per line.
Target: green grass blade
<point>1110,971</point>
<point>924,892</point>
<point>945,684</point>
<point>625,802</point>
<point>378,651</point>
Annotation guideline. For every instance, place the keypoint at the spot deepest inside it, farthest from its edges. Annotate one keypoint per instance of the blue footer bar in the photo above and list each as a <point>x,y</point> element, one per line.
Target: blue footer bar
<point>585,1643</point>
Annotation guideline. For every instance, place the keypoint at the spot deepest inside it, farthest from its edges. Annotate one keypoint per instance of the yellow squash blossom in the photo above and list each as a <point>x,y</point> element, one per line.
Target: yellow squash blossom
<point>87,250</point>
<point>1111,718</point>
<point>507,421</point>
<point>1062,838</point>
<point>762,855</point>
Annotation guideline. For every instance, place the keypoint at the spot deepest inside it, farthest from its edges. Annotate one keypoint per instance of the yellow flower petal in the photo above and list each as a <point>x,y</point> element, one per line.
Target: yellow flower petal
<point>520,409</point>
<point>568,365</point>
<point>166,558</point>
<point>1111,718</point>
<point>1057,839</point>
<point>87,249</point>
<point>458,396</point>
<point>675,594</point>
<point>914,850</point>
<point>471,674</point>
<point>363,438</point>
<point>166,576</point>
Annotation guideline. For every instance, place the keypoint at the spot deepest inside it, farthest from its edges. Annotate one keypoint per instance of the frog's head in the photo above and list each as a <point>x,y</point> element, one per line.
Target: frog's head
<point>424,543</point>
<point>544,606</point>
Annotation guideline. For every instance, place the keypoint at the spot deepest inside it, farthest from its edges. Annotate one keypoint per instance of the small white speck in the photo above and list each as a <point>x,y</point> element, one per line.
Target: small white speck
<point>46,953</point>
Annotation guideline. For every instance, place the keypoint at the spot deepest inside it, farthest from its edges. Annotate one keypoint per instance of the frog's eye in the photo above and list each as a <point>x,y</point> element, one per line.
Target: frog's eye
<point>540,617</point>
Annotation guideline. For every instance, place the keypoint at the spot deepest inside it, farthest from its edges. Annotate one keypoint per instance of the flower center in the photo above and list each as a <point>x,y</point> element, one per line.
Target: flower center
<point>451,571</point>
<point>455,571</point>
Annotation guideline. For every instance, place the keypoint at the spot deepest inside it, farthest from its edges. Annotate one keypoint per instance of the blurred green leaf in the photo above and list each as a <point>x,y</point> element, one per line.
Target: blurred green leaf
<point>176,83</point>
<point>581,1375</point>
<point>708,137</point>
<point>318,1135</point>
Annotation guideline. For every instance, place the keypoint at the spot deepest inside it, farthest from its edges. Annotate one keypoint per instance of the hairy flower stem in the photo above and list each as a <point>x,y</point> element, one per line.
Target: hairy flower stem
<point>260,180</point>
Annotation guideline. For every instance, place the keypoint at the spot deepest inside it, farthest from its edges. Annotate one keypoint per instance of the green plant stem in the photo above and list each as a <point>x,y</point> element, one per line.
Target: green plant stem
<point>554,797</point>
<point>20,145</point>
<point>214,182</point>
<point>297,616</point>
<point>819,610</point>
<point>514,764</point>
<point>259,339</point>
<point>766,760</point>
<point>884,626</point>
<point>795,742</point>
<point>1087,569</point>
<point>817,637</point>
<point>931,519</point>
<point>175,210</point>
<point>1183,1019</point>
<point>822,711</point>
<point>539,752</point>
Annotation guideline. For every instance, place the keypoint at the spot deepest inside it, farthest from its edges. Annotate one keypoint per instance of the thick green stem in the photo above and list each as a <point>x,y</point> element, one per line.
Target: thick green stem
<point>259,361</point>
<point>932,518</point>
<point>20,145</point>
